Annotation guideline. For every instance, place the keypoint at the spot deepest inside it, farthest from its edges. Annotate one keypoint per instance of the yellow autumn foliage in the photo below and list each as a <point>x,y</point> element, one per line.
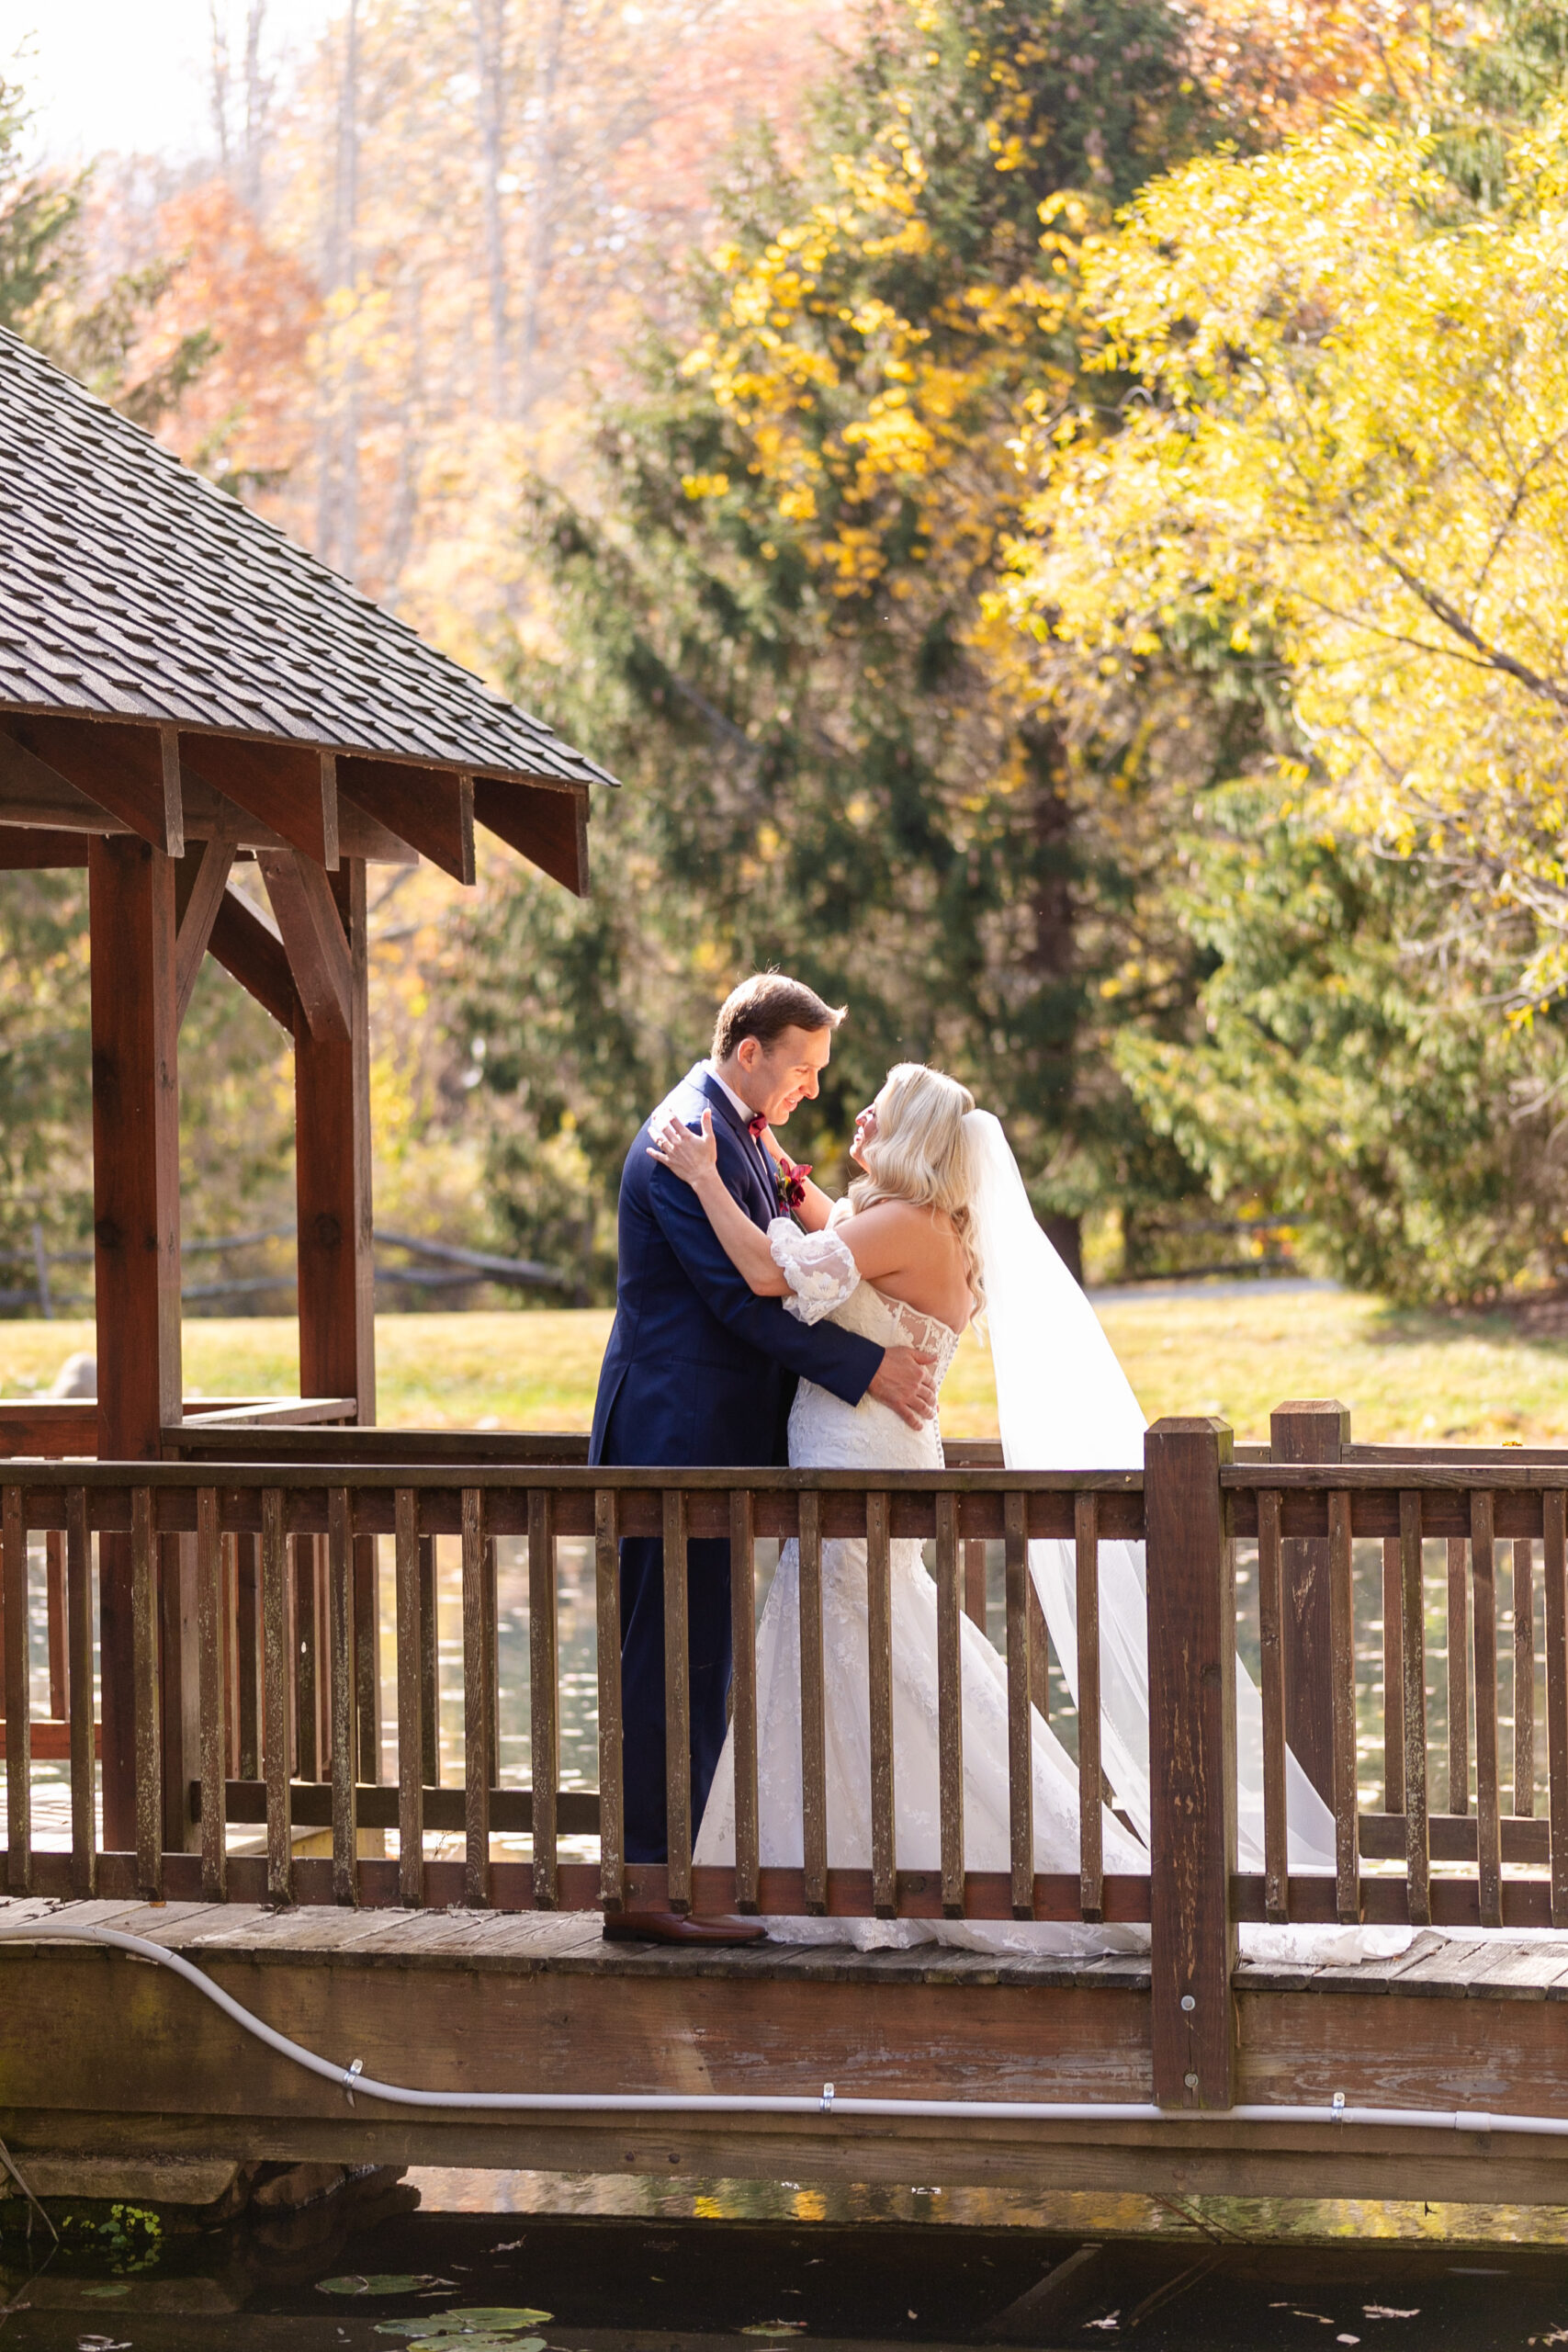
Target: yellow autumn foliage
<point>1345,438</point>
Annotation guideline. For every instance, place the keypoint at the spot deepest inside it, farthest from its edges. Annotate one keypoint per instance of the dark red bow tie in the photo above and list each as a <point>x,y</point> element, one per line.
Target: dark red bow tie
<point>756,1128</point>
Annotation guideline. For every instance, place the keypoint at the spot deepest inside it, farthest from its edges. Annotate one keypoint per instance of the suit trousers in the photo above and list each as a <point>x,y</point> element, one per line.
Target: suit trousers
<point>642,1682</point>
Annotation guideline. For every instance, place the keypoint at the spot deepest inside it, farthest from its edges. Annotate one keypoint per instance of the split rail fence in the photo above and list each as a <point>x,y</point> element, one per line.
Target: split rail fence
<point>253,1629</point>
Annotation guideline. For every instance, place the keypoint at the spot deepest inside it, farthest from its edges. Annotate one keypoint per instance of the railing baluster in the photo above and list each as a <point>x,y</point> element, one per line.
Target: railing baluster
<point>1554,1571</point>
<point>19,1699</point>
<point>1091,1809</point>
<point>54,1572</point>
<point>1413,1658</point>
<point>367,1656</point>
<point>478,1773</point>
<point>743,1691</point>
<point>950,1704</point>
<point>813,1709</point>
<point>1271,1656</point>
<point>974,1580</point>
<point>274,1694</point>
<point>247,1655</point>
<point>677,1705</point>
<point>1039,1658</point>
<point>407,1583</point>
<point>1393,1674</point>
<point>611,1753</point>
<point>879,1651</point>
<point>493,1660</point>
<point>147,1702</point>
<point>1342,1658</point>
<point>429,1666</point>
<point>1020,1734</point>
<point>307,1753</point>
<point>231,1655</point>
<point>210,1693</point>
<point>1459,1675</point>
<point>79,1697</point>
<point>1488,1827</point>
<point>1524,1675</point>
<point>544,1691</point>
<point>341,1646</point>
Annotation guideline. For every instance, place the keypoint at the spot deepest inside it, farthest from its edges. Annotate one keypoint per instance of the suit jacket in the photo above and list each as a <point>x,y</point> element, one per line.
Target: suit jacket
<point>699,1368</point>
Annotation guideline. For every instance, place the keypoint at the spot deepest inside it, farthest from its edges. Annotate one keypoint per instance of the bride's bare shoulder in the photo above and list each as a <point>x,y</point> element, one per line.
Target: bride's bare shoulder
<point>897,1233</point>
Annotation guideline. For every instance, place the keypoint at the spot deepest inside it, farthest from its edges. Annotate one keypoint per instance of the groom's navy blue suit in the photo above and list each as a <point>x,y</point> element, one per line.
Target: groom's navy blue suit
<point>698,1370</point>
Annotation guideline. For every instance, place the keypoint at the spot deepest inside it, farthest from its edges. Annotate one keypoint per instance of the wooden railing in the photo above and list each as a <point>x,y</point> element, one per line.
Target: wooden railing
<point>283,1569</point>
<point>1472,1506</point>
<point>255,1603</point>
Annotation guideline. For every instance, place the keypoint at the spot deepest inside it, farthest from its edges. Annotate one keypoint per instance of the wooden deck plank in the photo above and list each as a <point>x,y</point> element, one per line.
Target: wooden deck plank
<point>1527,1969</point>
<point>1524,1971</point>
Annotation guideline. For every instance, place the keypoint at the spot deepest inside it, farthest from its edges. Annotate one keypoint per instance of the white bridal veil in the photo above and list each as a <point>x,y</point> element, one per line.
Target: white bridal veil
<point>1065,1403</point>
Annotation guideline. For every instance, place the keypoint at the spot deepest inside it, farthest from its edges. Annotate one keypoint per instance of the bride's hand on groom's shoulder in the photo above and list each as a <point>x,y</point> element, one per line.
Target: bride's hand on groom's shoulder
<point>690,1157</point>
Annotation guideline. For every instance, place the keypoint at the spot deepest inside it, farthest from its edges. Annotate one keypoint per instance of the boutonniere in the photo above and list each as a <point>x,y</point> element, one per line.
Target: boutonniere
<point>789,1182</point>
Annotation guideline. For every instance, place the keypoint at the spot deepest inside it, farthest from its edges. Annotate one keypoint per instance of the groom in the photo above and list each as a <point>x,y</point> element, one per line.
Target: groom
<point>700,1370</point>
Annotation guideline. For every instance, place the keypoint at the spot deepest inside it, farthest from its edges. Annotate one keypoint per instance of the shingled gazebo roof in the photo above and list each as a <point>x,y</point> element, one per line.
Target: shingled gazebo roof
<point>131,587</point>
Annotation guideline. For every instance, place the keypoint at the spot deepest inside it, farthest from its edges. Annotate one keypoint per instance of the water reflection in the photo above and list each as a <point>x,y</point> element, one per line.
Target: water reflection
<point>538,2261</point>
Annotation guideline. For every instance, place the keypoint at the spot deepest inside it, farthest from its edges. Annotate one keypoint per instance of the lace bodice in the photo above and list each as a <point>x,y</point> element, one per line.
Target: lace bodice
<point>825,1283</point>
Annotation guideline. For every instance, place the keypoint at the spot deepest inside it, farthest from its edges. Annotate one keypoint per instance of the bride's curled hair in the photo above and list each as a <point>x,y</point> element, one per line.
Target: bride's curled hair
<point>920,1153</point>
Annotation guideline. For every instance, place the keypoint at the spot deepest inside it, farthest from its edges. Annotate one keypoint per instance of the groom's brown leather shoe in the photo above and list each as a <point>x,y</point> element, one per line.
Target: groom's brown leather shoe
<point>676,1928</point>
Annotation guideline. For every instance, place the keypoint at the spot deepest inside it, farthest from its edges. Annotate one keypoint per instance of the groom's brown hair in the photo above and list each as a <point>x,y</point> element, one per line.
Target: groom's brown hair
<point>766,1005</point>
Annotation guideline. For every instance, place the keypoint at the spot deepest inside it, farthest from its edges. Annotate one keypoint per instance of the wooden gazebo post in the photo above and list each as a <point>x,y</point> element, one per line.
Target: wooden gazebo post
<point>180,688</point>
<point>331,1180</point>
<point>136,1232</point>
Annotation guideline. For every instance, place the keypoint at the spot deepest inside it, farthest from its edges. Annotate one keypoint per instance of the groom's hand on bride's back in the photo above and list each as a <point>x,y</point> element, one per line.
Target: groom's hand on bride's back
<point>903,1382</point>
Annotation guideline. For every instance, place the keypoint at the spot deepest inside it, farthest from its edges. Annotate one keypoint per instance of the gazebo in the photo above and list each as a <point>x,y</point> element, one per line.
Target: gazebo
<point>181,687</point>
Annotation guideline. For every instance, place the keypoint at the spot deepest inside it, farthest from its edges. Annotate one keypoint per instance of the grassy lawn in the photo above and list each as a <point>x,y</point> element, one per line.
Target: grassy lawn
<point>1404,1376</point>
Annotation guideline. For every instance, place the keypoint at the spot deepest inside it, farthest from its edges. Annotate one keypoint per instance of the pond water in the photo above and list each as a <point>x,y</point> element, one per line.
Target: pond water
<point>535,2263</point>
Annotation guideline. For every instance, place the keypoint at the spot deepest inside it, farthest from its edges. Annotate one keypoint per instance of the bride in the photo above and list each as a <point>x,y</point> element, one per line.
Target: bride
<point>937,1227</point>
<point>900,1262</point>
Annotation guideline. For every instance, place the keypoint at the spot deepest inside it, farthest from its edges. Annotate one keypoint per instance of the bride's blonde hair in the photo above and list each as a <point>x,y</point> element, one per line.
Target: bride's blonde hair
<point>920,1153</point>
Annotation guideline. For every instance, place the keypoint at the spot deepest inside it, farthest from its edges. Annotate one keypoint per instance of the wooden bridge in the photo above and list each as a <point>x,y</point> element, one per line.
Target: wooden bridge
<point>470,1958</point>
<point>190,698</point>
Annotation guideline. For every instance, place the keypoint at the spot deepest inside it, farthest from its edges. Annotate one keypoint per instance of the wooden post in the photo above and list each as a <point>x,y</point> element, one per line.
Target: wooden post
<point>332,1120</point>
<point>1191,1588</point>
<point>136,1229</point>
<point>1312,1429</point>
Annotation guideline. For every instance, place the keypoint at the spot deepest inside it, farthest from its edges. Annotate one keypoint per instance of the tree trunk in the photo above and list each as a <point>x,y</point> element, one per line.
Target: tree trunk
<point>1052,962</point>
<point>541,201</point>
<point>258,95</point>
<point>489,51</point>
<point>337,501</point>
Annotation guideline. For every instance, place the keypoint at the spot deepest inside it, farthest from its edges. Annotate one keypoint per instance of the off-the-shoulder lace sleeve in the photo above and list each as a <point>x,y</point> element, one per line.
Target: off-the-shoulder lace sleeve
<point>818,1267</point>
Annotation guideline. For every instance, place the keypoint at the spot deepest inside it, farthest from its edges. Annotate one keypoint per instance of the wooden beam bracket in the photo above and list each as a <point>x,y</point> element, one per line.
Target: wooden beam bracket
<point>199,898</point>
<point>314,942</point>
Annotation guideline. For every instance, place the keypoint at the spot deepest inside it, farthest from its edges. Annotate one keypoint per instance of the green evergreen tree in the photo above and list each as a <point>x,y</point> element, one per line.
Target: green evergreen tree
<point>844,770</point>
<point>1351,1066</point>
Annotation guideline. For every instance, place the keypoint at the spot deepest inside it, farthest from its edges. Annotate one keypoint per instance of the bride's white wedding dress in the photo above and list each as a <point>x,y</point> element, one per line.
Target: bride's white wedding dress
<point>1064,1403</point>
<point>825,1433</point>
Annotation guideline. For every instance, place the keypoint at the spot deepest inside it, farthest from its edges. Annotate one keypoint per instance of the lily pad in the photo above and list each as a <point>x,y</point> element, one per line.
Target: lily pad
<point>382,2282</point>
<point>469,2327</point>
